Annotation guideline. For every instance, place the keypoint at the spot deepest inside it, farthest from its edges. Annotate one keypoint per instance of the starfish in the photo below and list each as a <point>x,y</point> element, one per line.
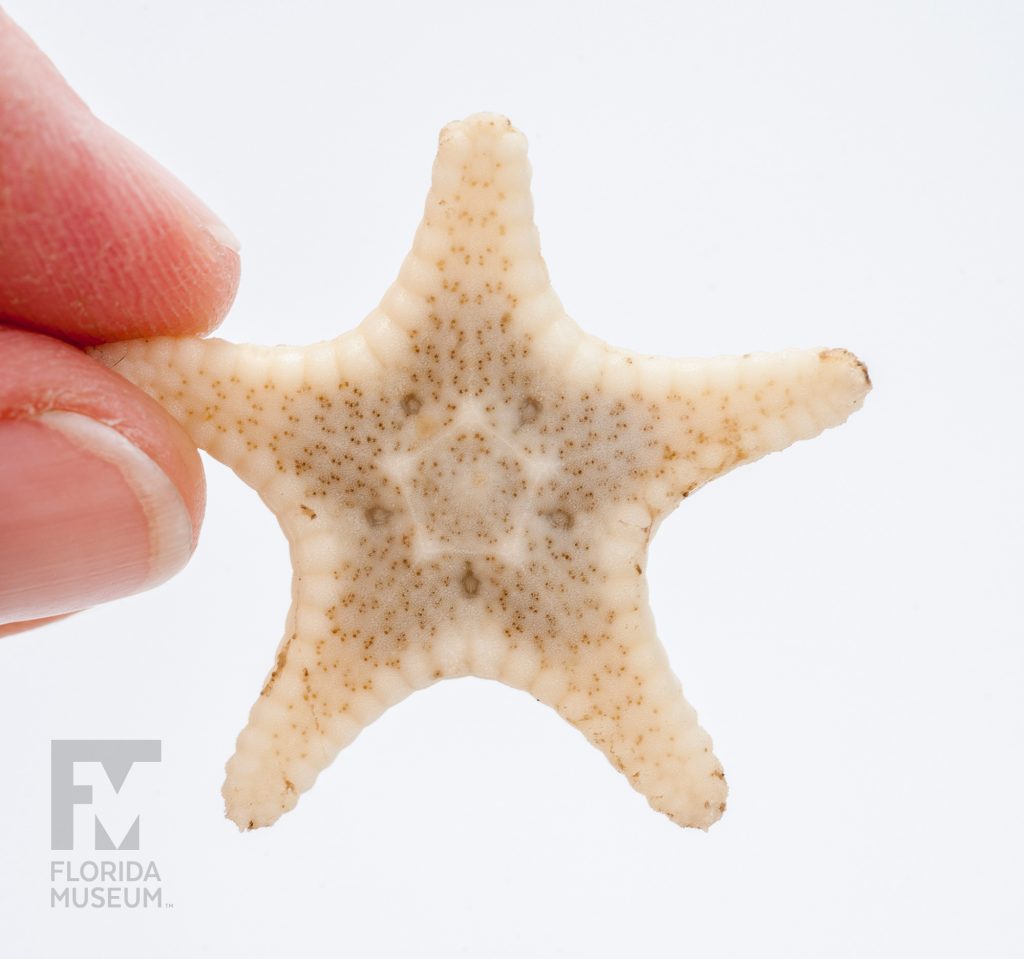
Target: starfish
<point>469,482</point>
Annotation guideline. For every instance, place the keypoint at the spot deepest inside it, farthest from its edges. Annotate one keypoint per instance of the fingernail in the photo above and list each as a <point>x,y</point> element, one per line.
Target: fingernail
<point>223,235</point>
<point>85,517</point>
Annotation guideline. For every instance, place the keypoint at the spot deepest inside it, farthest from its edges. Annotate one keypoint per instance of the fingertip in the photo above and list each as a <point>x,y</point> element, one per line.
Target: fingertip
<point>98,241</point>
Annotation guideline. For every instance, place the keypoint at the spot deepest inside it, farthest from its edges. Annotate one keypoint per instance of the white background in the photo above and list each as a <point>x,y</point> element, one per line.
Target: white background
<point>845,616</point>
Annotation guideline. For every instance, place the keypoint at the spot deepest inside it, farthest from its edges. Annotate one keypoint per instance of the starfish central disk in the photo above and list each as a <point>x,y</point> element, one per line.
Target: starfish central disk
<point>468,491</point>
<point>469,483</point>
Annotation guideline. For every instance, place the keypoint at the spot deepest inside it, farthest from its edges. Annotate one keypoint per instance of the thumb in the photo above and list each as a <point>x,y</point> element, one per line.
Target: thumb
<point>101,492</point>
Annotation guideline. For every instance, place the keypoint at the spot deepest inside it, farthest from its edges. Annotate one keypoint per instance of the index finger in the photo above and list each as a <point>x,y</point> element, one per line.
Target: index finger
<point>97,241</point>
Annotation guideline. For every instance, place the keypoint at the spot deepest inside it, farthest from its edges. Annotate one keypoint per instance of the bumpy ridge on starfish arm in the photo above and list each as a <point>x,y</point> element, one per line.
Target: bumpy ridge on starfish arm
<point>469,483</point>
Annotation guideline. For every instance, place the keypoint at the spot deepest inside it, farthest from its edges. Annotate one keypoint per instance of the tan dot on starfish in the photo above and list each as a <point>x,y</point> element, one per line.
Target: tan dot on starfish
<point>469,483</point>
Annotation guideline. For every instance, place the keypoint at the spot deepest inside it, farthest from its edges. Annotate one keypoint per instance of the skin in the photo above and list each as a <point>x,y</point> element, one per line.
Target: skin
<point>98,243</point>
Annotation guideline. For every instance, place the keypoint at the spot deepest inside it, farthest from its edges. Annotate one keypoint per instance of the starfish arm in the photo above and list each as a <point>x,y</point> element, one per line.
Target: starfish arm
<point>587,647</point>
<point>300,721</point>
<point>476,250</point>
<point>616,687</point>
<point>238,401</point>
<point>704,417</point>
<point>327,684</point>
<point>630,705</point>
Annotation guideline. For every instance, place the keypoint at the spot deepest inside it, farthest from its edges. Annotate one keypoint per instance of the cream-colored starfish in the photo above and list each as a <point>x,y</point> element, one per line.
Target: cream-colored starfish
<point>468,483</point>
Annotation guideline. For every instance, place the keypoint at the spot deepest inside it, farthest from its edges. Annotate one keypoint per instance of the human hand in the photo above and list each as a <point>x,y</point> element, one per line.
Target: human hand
<point>101,492</point>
